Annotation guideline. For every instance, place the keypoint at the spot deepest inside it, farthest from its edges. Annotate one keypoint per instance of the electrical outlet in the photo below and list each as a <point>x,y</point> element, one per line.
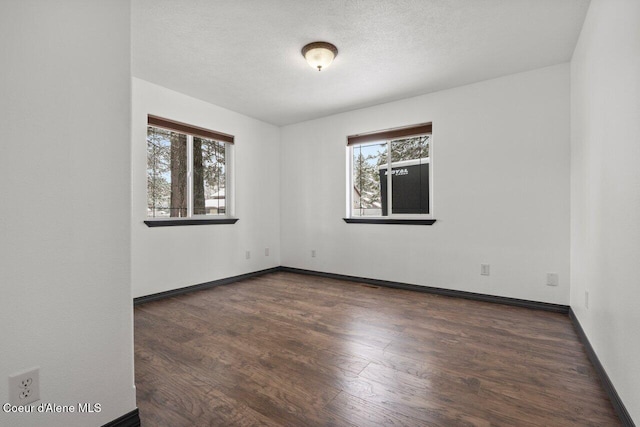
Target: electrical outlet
<point>313,253</point>
<point>484,269</point>
<point>24,387</point>
<point>586,299</point>
<point>266,251</point>
<point>247,255</point>
<point>552,279</point>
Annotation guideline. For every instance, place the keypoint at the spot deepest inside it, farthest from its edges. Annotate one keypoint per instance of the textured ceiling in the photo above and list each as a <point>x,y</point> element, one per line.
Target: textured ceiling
<point>244,55</point>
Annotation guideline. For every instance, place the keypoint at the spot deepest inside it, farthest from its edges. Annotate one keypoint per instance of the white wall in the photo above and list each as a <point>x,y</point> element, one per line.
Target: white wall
<point>605,190</point>
<point>65,304</point>
<point>501,179</point>
<point>173,257</point>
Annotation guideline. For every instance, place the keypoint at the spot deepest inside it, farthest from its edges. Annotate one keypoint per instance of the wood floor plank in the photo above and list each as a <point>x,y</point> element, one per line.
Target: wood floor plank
<point>363,413</point>
<point>187,391</point>
<point>285,400</point>
<point>295,350</point>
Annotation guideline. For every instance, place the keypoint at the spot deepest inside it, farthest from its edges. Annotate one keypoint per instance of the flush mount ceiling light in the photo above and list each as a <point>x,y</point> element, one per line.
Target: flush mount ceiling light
<point>319,54</point>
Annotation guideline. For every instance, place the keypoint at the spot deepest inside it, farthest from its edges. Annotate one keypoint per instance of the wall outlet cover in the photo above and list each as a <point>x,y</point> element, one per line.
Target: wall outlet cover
<point>586,300</point>
<point>485,269</point>
<point>24,387</point>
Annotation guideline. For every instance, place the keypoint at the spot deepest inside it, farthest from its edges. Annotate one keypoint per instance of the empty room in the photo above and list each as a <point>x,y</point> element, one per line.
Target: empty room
<point>320,213</point>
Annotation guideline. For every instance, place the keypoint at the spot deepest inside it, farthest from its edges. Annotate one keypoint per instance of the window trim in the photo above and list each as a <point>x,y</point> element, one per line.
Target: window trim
<point>188,129</point>
<point>159,222</point>
<point>394,133</point>
<point>194,131</point>
<point>387,136</point>
<point>385,220</point>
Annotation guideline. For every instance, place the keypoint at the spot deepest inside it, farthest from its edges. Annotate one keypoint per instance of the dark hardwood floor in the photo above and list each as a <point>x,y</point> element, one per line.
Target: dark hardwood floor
<point>291,350</point>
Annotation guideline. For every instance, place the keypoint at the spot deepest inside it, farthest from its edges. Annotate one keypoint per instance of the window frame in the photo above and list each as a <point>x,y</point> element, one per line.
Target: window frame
<point>388,136</point>
<point>191,132</point>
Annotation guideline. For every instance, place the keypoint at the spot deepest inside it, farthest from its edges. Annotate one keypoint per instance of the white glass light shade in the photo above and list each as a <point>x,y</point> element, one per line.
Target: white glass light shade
<point>319,55</point>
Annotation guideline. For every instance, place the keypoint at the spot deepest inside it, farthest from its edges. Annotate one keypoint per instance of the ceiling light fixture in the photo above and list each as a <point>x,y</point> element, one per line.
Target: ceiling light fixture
<point>319,54</point>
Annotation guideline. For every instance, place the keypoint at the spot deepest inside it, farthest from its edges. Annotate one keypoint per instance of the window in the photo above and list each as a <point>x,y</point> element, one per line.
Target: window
<point>187,171</point>
<point>390,174</point>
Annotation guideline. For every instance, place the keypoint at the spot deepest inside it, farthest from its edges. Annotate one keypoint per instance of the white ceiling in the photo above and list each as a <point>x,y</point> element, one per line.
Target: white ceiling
<point>244,55</point>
